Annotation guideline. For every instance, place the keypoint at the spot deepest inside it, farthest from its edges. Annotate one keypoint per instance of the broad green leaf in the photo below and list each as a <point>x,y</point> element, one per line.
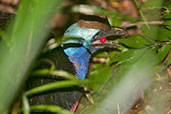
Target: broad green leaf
<point>99,76</point>
<point>128,55</point>
<point>152,4</point>
<point>127,81</point>
<point>157,33</point>
<point>163,52</point>
<point>153,12</point>
<point>114,21</point>
<point>51,108</point>
<point>164,34</point>
<point>26,36</point>
<point>135,41</point>
<point>150,33</point>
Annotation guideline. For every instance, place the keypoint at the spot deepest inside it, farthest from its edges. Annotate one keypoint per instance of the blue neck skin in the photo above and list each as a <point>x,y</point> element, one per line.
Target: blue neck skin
<point>80,56</point>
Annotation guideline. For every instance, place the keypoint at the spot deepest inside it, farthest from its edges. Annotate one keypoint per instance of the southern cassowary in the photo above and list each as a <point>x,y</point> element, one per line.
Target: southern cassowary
<point>72,56</point>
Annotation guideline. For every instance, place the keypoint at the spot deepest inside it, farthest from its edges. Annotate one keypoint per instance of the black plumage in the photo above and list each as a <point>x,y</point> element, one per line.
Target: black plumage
<point>64,97</point>
<point>5,19</point>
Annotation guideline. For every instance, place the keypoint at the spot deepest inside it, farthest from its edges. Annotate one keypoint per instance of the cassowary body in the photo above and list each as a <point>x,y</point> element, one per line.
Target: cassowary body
<point>72,56</point>
<point>66,97</point>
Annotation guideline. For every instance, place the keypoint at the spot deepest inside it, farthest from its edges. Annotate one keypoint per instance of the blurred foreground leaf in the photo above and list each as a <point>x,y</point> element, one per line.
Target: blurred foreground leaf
<point>86,9</point>
<point>25,37</point>
<point>128,80</point>
<point>50,108</point>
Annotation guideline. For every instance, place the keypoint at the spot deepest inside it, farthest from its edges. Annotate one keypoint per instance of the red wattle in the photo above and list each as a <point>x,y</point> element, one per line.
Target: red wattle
<point>74,107</point>
<point>102,40</point>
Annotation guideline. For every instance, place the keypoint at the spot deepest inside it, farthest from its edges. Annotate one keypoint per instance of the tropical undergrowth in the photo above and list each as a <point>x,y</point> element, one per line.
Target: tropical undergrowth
<point>135,73</point>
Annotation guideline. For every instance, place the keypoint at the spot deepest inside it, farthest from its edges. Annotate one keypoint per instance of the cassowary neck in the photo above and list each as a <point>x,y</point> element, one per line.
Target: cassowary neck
<point>80,58</point>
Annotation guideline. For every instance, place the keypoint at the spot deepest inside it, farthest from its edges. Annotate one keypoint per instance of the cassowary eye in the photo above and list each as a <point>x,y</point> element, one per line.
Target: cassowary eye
<point>103,40</point>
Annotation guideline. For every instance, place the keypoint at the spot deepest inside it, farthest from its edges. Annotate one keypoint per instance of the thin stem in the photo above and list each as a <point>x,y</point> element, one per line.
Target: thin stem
<point>141,14</point>
<point>127,25</point>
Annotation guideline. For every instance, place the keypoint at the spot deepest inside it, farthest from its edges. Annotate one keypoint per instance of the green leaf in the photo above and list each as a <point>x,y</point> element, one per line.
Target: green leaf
<point>127,81</point>
<point>114,21</point>
<point>102,54</point>
<point>26,37</point>
<point>55,85</point>
<point>163,52</point>
<point>26,108</point>
<point>135,41</point>
<point>168,27</point>
<point>128,55</point>
<point>169,58</point>
<point>164,34</point>
<point>152,4</point>
<point>160,68</point>
<point>58,41</point>
<point>86,9</point>
<point>99,76</point>
<point>150,33</point>
<point>57,73</point>
<point>167,4</point>
<point>51,108</point>
<point>6,39</point>
<point>157,33</point>
<point>167,22</point>
<point>167,15</point>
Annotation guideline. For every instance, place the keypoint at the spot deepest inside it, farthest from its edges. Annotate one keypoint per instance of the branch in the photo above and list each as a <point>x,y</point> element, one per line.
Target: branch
<point>127,25</point>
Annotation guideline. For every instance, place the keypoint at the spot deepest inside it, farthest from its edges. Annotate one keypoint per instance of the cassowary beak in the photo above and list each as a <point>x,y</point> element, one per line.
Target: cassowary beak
<point>101,39</point>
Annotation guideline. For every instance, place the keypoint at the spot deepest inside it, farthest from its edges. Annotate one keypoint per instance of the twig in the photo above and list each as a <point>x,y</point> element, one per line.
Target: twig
<point>167,57</point>
<point>158,75</point>
<point>118,109</point>
<point>141,23</point>
<point>169,72</point>
<point>141,14</point>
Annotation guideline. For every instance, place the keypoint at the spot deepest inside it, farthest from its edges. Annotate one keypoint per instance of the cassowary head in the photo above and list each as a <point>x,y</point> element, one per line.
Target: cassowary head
<point>92,33</point>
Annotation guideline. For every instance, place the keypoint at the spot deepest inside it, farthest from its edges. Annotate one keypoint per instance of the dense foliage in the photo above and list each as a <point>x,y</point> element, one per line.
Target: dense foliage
<point>139,64</point>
